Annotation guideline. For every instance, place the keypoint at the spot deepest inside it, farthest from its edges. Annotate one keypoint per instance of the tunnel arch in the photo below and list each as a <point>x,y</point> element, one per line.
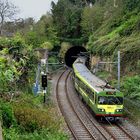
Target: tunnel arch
<point>72,54</point>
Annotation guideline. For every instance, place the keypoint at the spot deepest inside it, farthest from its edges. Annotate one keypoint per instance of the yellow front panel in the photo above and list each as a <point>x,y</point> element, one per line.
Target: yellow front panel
<point>110,108</point>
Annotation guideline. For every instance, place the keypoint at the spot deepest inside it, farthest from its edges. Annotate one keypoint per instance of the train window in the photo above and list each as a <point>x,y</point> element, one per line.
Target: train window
<point>115,100</point>
<point>91,94</point>
<point>102,100</point>
<point>119,100</point>
<point>86,89</point>
<point>110,100</point>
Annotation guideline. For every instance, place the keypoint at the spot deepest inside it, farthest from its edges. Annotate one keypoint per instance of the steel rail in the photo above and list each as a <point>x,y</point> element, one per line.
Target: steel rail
<point>66,85</point>
<point>131,138</point>
<point>60,107</point>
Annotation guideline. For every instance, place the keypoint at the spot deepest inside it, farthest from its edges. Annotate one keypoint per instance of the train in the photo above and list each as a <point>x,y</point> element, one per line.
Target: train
<point>105,101</point>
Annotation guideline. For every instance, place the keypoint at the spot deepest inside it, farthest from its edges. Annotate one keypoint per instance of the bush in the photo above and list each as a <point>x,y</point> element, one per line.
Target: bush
<point>43,134</point>
<point>31,115</point>
<point>7,114</point>
<point>132,4</point>
<point>52,67</point>
<point>31,119</point>
<point>46,45</point>
<point>131,87</point>
<point>10,134</point>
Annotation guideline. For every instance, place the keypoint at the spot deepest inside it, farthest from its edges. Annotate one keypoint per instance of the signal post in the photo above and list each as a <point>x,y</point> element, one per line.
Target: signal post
<point>44,70</point>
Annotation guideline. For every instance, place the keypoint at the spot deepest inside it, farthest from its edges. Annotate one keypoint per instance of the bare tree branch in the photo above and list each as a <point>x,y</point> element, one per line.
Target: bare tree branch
<point>7,12</point>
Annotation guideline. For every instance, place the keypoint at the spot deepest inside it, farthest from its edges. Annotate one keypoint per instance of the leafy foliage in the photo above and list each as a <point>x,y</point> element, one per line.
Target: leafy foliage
<point>131,87</point>
<point>15,62</point>
<point>44,134</point>
<point>64,47</point>
<point>47,45</point>
<point>92,18</point>
<point>7,114</point>
<point>132,4</point>
<point>33,39</point>
<point>31,119</point>
<point>55,64</point>
<point>118,32</point>
<point>27,118</point>
<point>66,18</point>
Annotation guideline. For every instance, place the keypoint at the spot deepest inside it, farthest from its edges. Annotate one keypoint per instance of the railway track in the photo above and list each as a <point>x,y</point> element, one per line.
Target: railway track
<point>117,132</point>
<point>80,122</point>
<point>75,124</point>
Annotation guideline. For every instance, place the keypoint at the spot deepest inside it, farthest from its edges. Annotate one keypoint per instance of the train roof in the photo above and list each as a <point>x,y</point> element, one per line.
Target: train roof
<point>93,81</point>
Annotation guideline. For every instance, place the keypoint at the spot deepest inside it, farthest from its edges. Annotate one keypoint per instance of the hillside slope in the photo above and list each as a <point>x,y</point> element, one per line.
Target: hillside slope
<point>120,30</point>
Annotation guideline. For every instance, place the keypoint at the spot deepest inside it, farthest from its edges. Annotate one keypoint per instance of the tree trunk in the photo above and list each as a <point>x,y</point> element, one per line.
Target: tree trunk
<point>1,25</point>
<point>115,5</point>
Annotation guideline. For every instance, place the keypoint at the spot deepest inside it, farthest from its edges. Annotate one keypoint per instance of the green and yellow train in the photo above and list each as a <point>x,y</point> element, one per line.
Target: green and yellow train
<point>104,100</point>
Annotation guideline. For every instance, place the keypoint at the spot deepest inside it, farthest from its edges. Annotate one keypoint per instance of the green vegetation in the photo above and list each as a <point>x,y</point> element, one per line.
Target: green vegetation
<point>103,26</point>
<point>118,30</point>
<point>27,118</point>
<point>131,89</point>
<point>23,115</point>
<point>46,45</point>
<point>131,111</point>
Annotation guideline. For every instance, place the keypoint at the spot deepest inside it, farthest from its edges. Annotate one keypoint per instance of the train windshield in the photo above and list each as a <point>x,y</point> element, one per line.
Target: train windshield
<point>110,100</point>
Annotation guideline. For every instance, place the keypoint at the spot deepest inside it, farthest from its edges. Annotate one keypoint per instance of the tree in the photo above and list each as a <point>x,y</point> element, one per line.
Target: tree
<point>83,3</point>
<point>47,45</point>
<point>64,48</point>
<point>7,11</point>
<point>92,18</point>
<point>66,18</point>
<point>132,4</point>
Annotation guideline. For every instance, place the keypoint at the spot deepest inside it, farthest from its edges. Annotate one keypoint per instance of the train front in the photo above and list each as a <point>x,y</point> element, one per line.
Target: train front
<point>110,105</point>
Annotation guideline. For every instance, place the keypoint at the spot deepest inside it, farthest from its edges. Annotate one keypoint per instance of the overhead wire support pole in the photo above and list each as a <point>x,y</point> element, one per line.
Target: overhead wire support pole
<point>46,72</point>
<point>46,57</point>
<point>118,70</point>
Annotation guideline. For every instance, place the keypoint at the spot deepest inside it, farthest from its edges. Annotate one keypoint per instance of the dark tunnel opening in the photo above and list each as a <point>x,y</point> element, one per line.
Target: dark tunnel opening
<point>72,54</point>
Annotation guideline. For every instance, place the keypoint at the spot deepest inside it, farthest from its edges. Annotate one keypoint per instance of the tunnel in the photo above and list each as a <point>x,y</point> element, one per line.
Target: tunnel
<point>73,53</point>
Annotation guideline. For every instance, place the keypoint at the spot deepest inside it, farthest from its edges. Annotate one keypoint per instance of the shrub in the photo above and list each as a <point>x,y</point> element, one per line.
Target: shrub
<point>32,119</point>
<point>43,134</point>
<point>7,114</point>
<point>10,134</point>
<point>46,45</point>
<point>52,67</point>
<point>131,87</point>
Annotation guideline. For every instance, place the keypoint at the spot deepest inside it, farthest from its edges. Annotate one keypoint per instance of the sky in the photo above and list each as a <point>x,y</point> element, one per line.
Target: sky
<point>32,8</point>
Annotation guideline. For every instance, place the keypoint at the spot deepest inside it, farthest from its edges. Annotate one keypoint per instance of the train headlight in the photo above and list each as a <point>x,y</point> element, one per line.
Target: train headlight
<point>101,110</point>
<point>119,110</point>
